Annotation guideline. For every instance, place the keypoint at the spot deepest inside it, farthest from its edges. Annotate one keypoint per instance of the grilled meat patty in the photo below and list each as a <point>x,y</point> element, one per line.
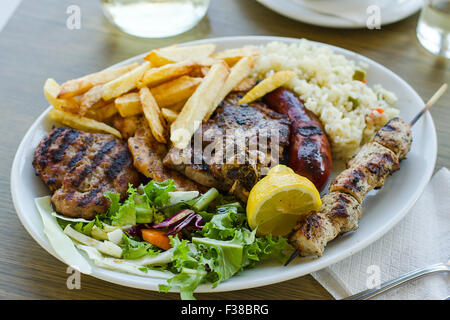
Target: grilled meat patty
<point>235,146</point>
<point>79,167</point>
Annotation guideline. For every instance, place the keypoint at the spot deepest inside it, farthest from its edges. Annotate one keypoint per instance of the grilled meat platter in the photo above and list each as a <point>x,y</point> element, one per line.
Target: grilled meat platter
<point>193,148</point>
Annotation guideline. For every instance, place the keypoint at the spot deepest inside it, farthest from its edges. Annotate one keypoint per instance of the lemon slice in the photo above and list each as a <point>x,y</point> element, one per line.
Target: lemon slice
<point>278,200</point>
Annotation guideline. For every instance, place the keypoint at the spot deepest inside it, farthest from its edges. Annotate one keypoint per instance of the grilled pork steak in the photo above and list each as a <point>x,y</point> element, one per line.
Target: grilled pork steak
<point>236,144</point>
<point>79,167</point>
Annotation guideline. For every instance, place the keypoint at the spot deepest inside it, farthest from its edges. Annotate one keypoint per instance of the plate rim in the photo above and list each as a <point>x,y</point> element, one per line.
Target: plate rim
<point>333,22</point>
<point>133,281</point>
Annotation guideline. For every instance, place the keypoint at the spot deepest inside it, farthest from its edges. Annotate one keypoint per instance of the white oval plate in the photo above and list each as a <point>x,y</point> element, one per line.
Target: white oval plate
<point>289,8</point>
<point>381,212</point>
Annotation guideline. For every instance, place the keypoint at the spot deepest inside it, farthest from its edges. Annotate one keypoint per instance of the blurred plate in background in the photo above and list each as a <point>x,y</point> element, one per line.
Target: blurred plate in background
<point>301,10</point>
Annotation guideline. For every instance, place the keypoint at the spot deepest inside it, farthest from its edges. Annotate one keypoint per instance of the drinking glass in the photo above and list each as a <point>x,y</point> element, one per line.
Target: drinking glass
<point>433,28</point>
<point>155,18</point>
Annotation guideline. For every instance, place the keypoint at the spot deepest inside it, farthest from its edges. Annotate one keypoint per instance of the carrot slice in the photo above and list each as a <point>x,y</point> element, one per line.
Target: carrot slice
<point>156,238</point>
<point>380,110</point>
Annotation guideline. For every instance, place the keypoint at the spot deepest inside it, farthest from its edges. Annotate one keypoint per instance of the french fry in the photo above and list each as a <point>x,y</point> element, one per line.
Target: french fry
<point>245,84</point>
<point>174,91</point>
<point>202,70</point>
<point>231,56</point>
<point>51,90</point>
<point>178,106</point>
<point>174,54</point>
<point>240,71</point>
<point>198,105</point>
<point>125,82</point>
<point>269,84</point>
<point>129,104</point>
<point>152,113</point>
<point>82,123</point>
<point>102,114</point>
<point>91,98</point>
<point>156,76</point>
<point>169,115</point>
<point>81,85</point>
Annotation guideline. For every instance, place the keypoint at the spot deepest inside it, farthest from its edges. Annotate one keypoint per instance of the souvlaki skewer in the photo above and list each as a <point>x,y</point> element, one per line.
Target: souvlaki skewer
<point>367,170</point>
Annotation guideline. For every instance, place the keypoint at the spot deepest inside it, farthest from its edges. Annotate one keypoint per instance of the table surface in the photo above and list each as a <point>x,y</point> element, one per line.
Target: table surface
<point>36,44</point>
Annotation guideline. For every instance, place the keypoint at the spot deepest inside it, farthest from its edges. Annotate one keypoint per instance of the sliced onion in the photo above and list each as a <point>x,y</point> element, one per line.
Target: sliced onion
<point>198,221</point>
<point>173,220</point>
<point>194,217</point>
<point>135,231</point>
<point>180,226</point>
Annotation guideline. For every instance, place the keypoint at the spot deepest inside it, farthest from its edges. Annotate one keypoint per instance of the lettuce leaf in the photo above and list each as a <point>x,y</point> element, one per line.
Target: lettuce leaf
<point>141,204</point>
<point>158,192</point>
<point>224,224</point>
<point>223,248</point>
<point>132,249</point>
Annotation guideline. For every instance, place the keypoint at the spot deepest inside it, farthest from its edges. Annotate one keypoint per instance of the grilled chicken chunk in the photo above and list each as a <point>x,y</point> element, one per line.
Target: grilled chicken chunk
<point>366,171</point>
<point>396,136</point>
<point>341,209</point>
<point>127,126</point>
<point>235,146</point>
<point>148,154</point>
<point>79,167</point>
<point>340,213</point>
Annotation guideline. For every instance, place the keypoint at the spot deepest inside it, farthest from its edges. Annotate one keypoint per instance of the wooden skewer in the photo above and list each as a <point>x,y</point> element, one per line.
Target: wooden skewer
<point>430,103</point>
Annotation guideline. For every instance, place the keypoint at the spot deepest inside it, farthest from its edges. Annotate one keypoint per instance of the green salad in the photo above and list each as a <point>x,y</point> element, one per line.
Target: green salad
<point>184,238</point>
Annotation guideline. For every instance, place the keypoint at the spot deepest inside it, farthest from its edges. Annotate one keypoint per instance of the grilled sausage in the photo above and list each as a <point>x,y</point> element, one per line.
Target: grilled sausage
<point>310,151</point>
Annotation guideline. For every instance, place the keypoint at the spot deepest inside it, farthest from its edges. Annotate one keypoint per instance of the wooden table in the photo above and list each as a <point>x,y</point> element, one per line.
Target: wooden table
<point>36,44</point>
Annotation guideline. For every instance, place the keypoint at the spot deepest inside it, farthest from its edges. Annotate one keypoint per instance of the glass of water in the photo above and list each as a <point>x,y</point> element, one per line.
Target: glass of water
<point>155,18</point>
<point>433,29</point>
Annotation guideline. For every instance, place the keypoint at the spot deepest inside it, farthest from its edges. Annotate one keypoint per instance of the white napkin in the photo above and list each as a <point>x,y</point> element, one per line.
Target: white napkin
<point>422,238</point>
<point>352,10</point>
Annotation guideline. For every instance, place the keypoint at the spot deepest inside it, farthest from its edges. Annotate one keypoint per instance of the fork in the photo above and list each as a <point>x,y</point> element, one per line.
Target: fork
<point>410,276</point>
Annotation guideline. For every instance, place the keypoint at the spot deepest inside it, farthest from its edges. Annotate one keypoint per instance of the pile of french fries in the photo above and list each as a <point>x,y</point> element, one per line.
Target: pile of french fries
<point>174,88</point>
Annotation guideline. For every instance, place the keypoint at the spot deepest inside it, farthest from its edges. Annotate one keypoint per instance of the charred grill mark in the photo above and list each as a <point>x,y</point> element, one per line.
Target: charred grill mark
<point>309,153</point>
<point>69,137</point>
<point>97,159</point>
<point>56,133</point>
<point>352,183</point>
<point>340,209</point>
<point>118,163</point>
<point>80,154</point>
<point>69,195</point>
<point>382,164</point>
<point>89,197</point>
<point>76,158</point>
<point>309,131</point>
<point>389,128</point>
<point>312,221</point>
